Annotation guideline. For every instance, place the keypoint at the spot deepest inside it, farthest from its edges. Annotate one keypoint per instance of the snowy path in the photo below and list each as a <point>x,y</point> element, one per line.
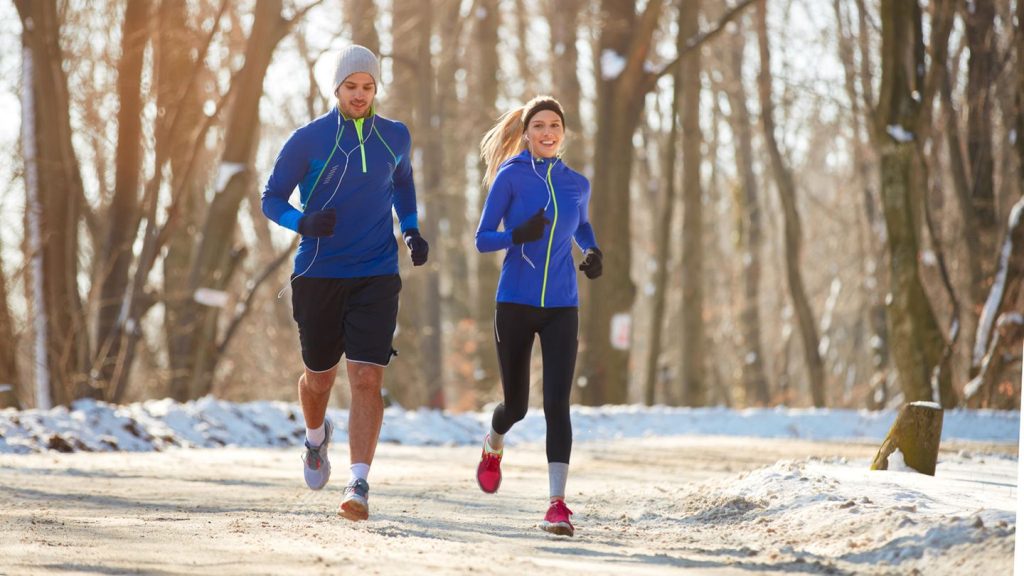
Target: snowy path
<point>708,505</point>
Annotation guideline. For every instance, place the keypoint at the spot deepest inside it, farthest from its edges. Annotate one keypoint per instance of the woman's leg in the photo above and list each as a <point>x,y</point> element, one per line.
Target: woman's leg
<point>558,341</point>
<point>513,335</point>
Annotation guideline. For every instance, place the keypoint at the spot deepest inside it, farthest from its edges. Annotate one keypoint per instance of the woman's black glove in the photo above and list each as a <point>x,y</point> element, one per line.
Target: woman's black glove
<point>591,265</point>
<point>318,224</point>
<point>530,230</point>
<point>418,247</point>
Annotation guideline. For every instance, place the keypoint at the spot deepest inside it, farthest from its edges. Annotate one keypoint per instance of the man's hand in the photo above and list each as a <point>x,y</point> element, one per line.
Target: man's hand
<point>318,224</point>
<point>592,264</point>
<point>418,247</point>
<point>530,230</point>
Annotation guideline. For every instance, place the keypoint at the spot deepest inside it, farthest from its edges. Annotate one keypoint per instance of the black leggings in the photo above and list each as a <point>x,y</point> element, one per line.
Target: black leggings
<point>514,328</point>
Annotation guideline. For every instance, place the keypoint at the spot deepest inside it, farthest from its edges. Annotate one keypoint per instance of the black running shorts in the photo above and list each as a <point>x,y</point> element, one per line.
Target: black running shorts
<point>351,316</point>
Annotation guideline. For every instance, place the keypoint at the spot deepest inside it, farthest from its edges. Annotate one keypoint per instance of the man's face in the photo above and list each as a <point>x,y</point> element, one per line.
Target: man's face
<point>355,95</point>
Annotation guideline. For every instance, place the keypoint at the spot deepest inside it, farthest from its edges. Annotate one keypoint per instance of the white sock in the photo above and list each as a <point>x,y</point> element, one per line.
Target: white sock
<point>558,474</point>
<point>316,436</point>
<point>360,471</point>
<point>496,441</point>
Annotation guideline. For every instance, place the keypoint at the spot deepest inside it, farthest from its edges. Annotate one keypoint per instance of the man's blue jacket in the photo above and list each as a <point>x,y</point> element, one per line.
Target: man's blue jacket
<point>361,168</point>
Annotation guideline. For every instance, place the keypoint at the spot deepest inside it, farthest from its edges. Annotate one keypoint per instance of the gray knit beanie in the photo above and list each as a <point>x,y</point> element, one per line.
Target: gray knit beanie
<point>356,58</point>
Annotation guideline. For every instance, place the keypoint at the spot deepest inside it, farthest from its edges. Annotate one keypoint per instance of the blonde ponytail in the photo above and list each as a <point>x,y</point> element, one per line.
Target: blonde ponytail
<point>503,141</point>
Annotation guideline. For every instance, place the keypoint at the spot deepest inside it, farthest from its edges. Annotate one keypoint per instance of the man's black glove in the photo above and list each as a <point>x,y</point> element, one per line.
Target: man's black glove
<point>418,247</point>
<point>318,224</point>
<point>591,265</point>
<point>530,230</point>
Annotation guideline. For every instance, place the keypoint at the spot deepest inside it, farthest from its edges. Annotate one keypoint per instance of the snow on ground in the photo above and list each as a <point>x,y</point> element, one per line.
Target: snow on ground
<point>209,422</point>
<point>810,515</point>
<point>851,518</point>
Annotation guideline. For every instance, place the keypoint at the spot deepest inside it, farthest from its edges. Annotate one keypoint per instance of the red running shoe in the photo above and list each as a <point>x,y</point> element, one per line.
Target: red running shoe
<point>557,520</point>
<point>488,472</point>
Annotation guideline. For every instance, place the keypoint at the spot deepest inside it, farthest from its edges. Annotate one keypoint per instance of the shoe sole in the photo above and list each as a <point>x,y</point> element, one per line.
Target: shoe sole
<point>557,528</point>
<point>354,510</point>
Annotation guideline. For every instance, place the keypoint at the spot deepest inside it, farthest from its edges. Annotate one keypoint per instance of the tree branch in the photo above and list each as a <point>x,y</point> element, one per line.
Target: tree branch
<point>698,40</point>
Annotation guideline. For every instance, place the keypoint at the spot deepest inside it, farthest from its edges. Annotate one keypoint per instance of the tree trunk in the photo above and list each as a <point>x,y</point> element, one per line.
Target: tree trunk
<point>59,187</point>
<point>115,257</point>
<point>917,342</point>
<point>10,380</point>
<point>176,42</point>
<point>981,41</point>
<point>694,384</point>
<point>619,105</point>
<point>916,434</point>
<point>755,382</point>
<point>563,18</point>
<point>215,254</point>
<point>362,17</point>
<point>430,193</point>
<point>787,195</point>
<point>873,286</point>
<point>662,243</point>
<point>484,60</point>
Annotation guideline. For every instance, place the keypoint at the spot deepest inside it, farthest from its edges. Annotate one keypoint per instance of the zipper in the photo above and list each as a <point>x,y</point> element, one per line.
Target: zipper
<point>551,237</point>
<point>362,149</point>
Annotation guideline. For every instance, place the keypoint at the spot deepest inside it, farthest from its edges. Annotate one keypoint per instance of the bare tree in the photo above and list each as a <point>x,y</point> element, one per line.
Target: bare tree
<point>115,255</point>
<point>981,41</point>
<point>694,386</point>
<point>755,381</point>
<point>917,342</point>
<point>58,184</point>
<point>787,194</point>
<point>10,380</point>
<point>361,15</point>
<point>484,82</point>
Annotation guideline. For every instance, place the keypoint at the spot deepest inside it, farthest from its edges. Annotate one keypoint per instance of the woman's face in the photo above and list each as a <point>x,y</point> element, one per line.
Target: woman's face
<point>544,134</point>
<point>355,95</point>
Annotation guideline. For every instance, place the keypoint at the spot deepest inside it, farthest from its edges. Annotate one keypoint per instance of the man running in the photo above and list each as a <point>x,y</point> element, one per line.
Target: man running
<point>351,166</point>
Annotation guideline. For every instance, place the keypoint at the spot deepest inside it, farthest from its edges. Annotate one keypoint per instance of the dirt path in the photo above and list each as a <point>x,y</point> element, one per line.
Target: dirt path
<point>245,511</point>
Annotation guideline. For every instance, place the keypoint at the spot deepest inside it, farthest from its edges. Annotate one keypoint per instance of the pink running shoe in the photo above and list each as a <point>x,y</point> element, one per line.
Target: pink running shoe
<point>488,472</point>
<point>557,520</point>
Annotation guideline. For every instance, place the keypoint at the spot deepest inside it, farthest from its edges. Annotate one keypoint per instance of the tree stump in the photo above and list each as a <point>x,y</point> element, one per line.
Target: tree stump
<point>916,433</point>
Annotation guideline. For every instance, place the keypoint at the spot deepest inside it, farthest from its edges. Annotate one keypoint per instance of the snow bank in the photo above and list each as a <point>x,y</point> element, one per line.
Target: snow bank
<point>208,422</point>
<point>845,518</point>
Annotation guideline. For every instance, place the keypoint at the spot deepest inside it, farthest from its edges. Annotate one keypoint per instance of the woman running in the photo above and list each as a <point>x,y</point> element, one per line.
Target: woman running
<point>543,204</point>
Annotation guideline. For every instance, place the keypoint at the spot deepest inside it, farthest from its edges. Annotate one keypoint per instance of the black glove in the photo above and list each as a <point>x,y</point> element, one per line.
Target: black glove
<point>418,247</point>
<point>318,224</point>
<point>530,230</point>
<point>591,265</point>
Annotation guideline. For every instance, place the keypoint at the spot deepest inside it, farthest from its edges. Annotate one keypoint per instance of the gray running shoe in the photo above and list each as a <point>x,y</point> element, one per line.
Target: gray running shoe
<point>315,466</point>
<point>355,505</point>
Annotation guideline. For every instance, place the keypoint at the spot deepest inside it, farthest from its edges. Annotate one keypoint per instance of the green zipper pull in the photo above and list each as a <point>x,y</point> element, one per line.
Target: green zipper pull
<point>362,149</point>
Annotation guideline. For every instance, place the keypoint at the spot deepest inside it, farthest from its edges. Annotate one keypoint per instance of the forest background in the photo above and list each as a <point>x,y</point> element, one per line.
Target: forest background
<point>799,202</point>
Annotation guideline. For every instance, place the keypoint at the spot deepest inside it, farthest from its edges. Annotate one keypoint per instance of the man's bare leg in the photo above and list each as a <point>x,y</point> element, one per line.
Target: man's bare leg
<point>366,412</point>
<point>314,395</point>
<point>365,416</point>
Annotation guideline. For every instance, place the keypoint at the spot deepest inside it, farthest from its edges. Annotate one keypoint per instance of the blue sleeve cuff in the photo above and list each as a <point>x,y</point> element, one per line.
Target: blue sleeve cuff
<point>291,220</point>
<point>410,221</point>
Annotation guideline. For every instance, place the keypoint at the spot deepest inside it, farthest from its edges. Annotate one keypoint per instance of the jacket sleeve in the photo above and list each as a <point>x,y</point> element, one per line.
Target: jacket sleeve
<point>488,238</point>
<point>405,186</point>
<point>289,169</point>
<point>584,234</point>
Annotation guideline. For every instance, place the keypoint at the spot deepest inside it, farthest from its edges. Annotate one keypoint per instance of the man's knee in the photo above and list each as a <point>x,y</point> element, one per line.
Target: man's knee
<point>365,378</point>
<point>319,382</point>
